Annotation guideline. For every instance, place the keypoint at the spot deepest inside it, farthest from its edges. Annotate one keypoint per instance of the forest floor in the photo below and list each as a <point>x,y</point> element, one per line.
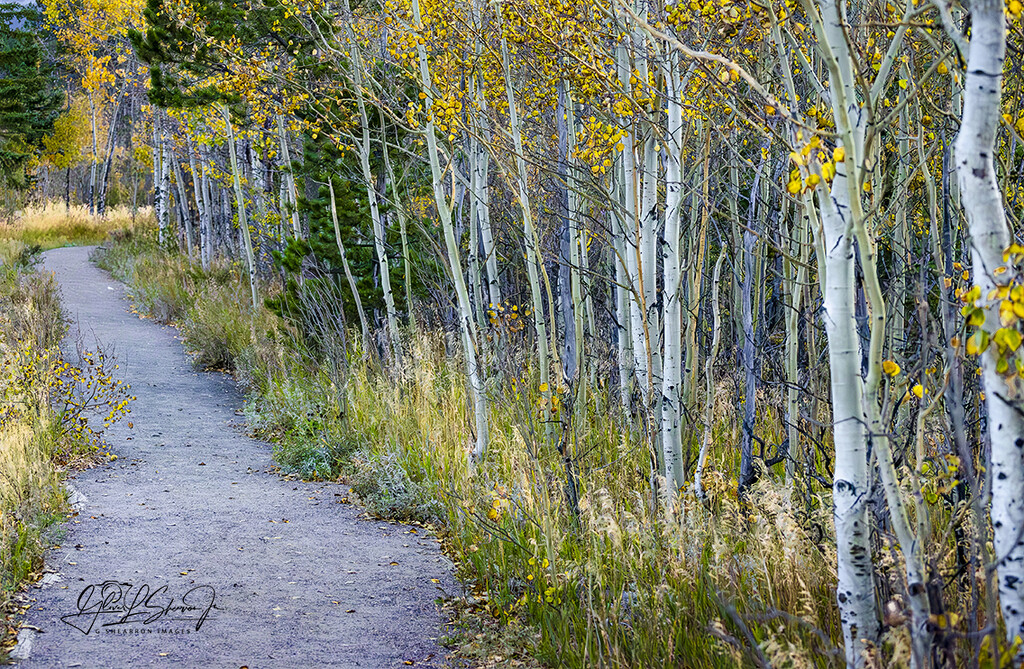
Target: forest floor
<point>210,557</point>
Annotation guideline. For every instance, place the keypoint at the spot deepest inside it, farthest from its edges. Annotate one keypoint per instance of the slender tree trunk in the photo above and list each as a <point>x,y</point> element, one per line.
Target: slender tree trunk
<point>186,214</point>
<point>467,326</point>
<point>289,179</point>
<point>529,233</point>
<point>671,428</point>
<point>243,222</point>
<point>93,113</point>
<point>201,207</point>
<point>709,380</point>
<point>363,322</point>
<point>990,237</point>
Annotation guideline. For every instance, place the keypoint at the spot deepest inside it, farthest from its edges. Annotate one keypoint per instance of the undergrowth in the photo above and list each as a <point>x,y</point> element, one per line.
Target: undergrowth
<point>593,574</point>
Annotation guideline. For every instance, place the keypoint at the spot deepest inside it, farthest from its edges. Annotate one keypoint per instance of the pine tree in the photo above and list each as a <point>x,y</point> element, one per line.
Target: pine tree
<point>29,102</point>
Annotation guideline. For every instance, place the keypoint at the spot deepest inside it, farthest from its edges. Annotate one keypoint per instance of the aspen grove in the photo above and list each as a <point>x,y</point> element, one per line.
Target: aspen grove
<point>696,327</point>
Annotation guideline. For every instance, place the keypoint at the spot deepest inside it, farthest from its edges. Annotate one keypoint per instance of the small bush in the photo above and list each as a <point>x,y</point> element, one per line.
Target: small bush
<point>217,328</point>
<point>382,483</point>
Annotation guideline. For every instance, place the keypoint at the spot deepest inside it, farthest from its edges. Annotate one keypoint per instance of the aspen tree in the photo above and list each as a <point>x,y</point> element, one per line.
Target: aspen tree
<point>990,239</point>
<point>243,221</point>
<point>529,232</point>
<point>379,231</point>
<point>671,429</point>
<point>466,322</point>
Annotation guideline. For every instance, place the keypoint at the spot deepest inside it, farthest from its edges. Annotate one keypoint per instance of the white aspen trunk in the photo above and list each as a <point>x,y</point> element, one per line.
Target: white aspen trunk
<point>159,196</point>
<point>631,236</point>
<point>289,179</point>
<point>480,158</point>
<point>692,268</point>
<point>795,277</point>
<point>96,156</point>
<point>476,282</point>
<point>481,166</point>
<point>208,205</point>
<point>648,258</point>
<point>468,329</point>
<point>165,181</point>
<point>850,485</point>
<point>379,231</point>
<point>186,214</point>
<point>256,186</point>
<point>622,221</point>
<point>108,158</point>
<point>990,237</point>
<point>671,433</point>
<point>201,207</point>
<point>709,366</point>
<point>243,221</point>
<point>575,250</point>
<point>567,237</point>
<point>529,233</point>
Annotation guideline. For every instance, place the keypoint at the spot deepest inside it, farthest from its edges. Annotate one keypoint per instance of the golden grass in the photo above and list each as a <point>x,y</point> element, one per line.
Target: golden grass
<point>51,225</point>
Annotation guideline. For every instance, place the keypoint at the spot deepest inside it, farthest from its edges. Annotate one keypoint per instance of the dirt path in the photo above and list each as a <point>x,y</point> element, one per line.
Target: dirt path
<point>295,578</point>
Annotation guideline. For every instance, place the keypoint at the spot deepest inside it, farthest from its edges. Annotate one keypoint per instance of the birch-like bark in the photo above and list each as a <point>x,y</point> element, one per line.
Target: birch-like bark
<point>671,432</point>
<point>566,237</point>
<point>529,233</point>
<point>289,179</point>
<point>709,367</point>
<point>96,156</point>
<point>466,323</point>
<point>159,195</point>
<point>165,181</point>
<point>208,206</point>
<point>402,223</point>
<point>186,214</point>
<point>201,207</point>
<point>108,159</point>
<point>243,221</point>
<point>622,220</point>
<point>990,237</point>
<point>379,230</point>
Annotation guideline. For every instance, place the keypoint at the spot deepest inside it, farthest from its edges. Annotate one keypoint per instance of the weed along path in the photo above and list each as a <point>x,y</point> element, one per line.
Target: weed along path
<point>189,551</point>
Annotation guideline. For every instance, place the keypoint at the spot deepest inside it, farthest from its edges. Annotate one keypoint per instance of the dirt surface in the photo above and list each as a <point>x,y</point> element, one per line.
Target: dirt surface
<point>191,513</point>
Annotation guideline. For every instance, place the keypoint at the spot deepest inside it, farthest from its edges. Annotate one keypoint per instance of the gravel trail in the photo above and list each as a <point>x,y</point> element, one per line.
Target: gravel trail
<point>217,560</point>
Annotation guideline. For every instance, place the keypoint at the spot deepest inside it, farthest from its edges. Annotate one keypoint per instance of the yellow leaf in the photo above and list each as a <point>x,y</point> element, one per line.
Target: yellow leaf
<point>890,367</point>
<point>918,390</point>
<point>839,154</point>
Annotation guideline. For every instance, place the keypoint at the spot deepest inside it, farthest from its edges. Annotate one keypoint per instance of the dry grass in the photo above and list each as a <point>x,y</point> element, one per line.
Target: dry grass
<point>51,225</point>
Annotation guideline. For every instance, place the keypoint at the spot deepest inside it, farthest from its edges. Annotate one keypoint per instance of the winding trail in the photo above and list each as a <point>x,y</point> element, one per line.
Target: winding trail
<point>297,578</point>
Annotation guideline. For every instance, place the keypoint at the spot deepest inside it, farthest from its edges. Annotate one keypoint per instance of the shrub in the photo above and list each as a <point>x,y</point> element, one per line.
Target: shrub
<point>382,483</point>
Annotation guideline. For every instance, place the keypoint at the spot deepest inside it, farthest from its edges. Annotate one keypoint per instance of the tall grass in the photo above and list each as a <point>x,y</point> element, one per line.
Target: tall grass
<point>591,575</point>
<point>51,225</point>
<point>50,411</point>
<point>31,497</point>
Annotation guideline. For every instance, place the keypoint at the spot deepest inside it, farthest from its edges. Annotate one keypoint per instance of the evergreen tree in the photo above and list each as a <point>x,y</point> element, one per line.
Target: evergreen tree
<point>29,102</point>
